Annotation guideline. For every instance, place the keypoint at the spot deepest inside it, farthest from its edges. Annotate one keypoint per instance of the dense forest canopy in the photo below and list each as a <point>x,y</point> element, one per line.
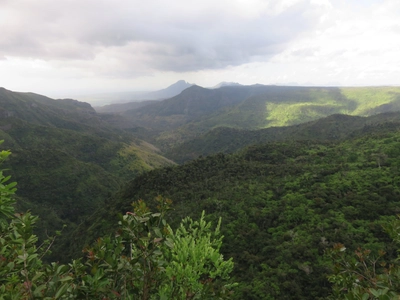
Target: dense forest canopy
<point>145,259</point>
<point>283,205</point>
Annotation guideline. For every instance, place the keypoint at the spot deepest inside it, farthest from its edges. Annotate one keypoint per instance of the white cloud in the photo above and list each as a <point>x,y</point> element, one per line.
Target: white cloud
<point>361,44</point>
<point>213,33</point>
<point>121,43</point>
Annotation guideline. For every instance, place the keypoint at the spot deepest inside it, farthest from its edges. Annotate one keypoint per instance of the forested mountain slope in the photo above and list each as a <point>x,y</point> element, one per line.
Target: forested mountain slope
<point>121,107</point>
<point>334,180</point>
<point>67,159</point>
<point>229,140</point>
<point>122,101</point>
<point>41,110</point>
<point>282,205</point>
<point>197,110</point>
<point>192,103</point>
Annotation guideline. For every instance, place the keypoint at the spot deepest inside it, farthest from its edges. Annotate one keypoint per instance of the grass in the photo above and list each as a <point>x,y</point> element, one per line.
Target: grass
<point>369,98</point>
<point>312,103</point>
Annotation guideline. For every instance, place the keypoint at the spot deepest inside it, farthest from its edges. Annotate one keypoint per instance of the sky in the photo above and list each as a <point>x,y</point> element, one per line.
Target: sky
<point>77,47</point>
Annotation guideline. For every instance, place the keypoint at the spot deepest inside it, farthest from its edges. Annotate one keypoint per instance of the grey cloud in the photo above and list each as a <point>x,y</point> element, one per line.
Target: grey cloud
<point>305,52</point>
<point>395,28</point>
<point>177,38</point>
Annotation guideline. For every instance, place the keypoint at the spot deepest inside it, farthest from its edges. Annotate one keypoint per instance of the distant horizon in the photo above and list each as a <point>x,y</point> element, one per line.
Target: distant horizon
<point>70,48</point>
<point>89,96</point>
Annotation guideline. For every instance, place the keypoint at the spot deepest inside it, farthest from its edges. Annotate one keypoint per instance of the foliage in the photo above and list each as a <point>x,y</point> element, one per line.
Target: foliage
<point>230,140</point>
<point>67,159</point>
<point>366,274</point>
<point>282,205</point>
<point>144,260</point>
<point>195,242</point>
<point>198,110</point>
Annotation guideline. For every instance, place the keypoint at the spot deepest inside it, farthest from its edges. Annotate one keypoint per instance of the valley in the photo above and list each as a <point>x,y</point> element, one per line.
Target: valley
<point>198,110</point>
<point>292,171</point>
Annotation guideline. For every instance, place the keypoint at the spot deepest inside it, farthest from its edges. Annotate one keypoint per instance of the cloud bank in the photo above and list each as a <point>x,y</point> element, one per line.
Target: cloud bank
<point>122,35</point>
<point>49,46</point>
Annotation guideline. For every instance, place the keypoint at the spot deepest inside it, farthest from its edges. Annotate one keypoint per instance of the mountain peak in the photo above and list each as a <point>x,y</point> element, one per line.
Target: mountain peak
<point>180,84</point>
<point>224,83</point>
<point>3,90</point>
<point>172,90</point>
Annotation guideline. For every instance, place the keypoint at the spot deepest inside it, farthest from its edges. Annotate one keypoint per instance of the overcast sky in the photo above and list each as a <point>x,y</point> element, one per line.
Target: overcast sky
<point>71,47</point>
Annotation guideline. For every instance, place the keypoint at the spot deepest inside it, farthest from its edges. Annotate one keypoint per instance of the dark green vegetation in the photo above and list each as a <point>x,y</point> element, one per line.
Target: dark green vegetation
<point>283,205</point>
<point>365,274</point>
<point>229,140</point>
<point>67,159</point>
<point>121,107</point>
<point>145,259</point>
<point>197,110</point>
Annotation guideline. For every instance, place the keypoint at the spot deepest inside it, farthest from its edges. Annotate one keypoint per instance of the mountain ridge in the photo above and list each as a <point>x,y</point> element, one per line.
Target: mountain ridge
<point>67,158</point>
<point>229,140</point>
<point>283,205</point>
<point>122,101</point>
<point>198,110</point>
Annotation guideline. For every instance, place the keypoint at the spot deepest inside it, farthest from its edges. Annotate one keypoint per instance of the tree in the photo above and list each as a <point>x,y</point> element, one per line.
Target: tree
<point>196,269</point>
<point>145,259</point>
<point>366,274</point>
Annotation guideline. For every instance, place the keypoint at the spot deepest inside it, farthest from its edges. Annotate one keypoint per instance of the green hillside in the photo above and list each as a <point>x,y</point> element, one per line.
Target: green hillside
<point>229,140</point>
<point>313,103</point>
<point>121,107</point>
<point>67,159</point>
<point>285,194</point>
<point>197,110</point>
<point>37,109</point>
<point>282,205</point>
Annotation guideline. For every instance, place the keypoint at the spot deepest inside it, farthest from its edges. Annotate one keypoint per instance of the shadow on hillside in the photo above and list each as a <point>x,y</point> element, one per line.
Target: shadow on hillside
<point>286,106</point>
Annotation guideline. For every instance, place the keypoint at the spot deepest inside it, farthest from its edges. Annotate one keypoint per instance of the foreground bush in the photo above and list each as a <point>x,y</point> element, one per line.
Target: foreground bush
<point>145,259</point>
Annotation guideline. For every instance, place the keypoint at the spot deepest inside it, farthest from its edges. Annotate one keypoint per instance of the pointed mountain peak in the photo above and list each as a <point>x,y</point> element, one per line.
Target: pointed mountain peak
<point>180,83</point>
<point>170,91</point>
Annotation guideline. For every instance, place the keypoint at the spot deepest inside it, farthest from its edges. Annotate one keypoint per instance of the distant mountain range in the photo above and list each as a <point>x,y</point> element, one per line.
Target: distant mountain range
<point>138,100</point>
<point>197,110</point>
<point>149,97</point>
<point>309,167</point>
<point>283,205</point>
<point>332,128</point>
<point>66,158</point>
<point>168,92</point>
<point>102,101</point>
<point>45,134</point>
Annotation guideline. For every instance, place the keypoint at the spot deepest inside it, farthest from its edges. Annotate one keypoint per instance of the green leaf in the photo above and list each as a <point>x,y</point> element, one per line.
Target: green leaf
<point>365,296</point>
<point>38,291</point>
<point>66,278</point>
<point>61,291</point>
<point>157,232</point>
